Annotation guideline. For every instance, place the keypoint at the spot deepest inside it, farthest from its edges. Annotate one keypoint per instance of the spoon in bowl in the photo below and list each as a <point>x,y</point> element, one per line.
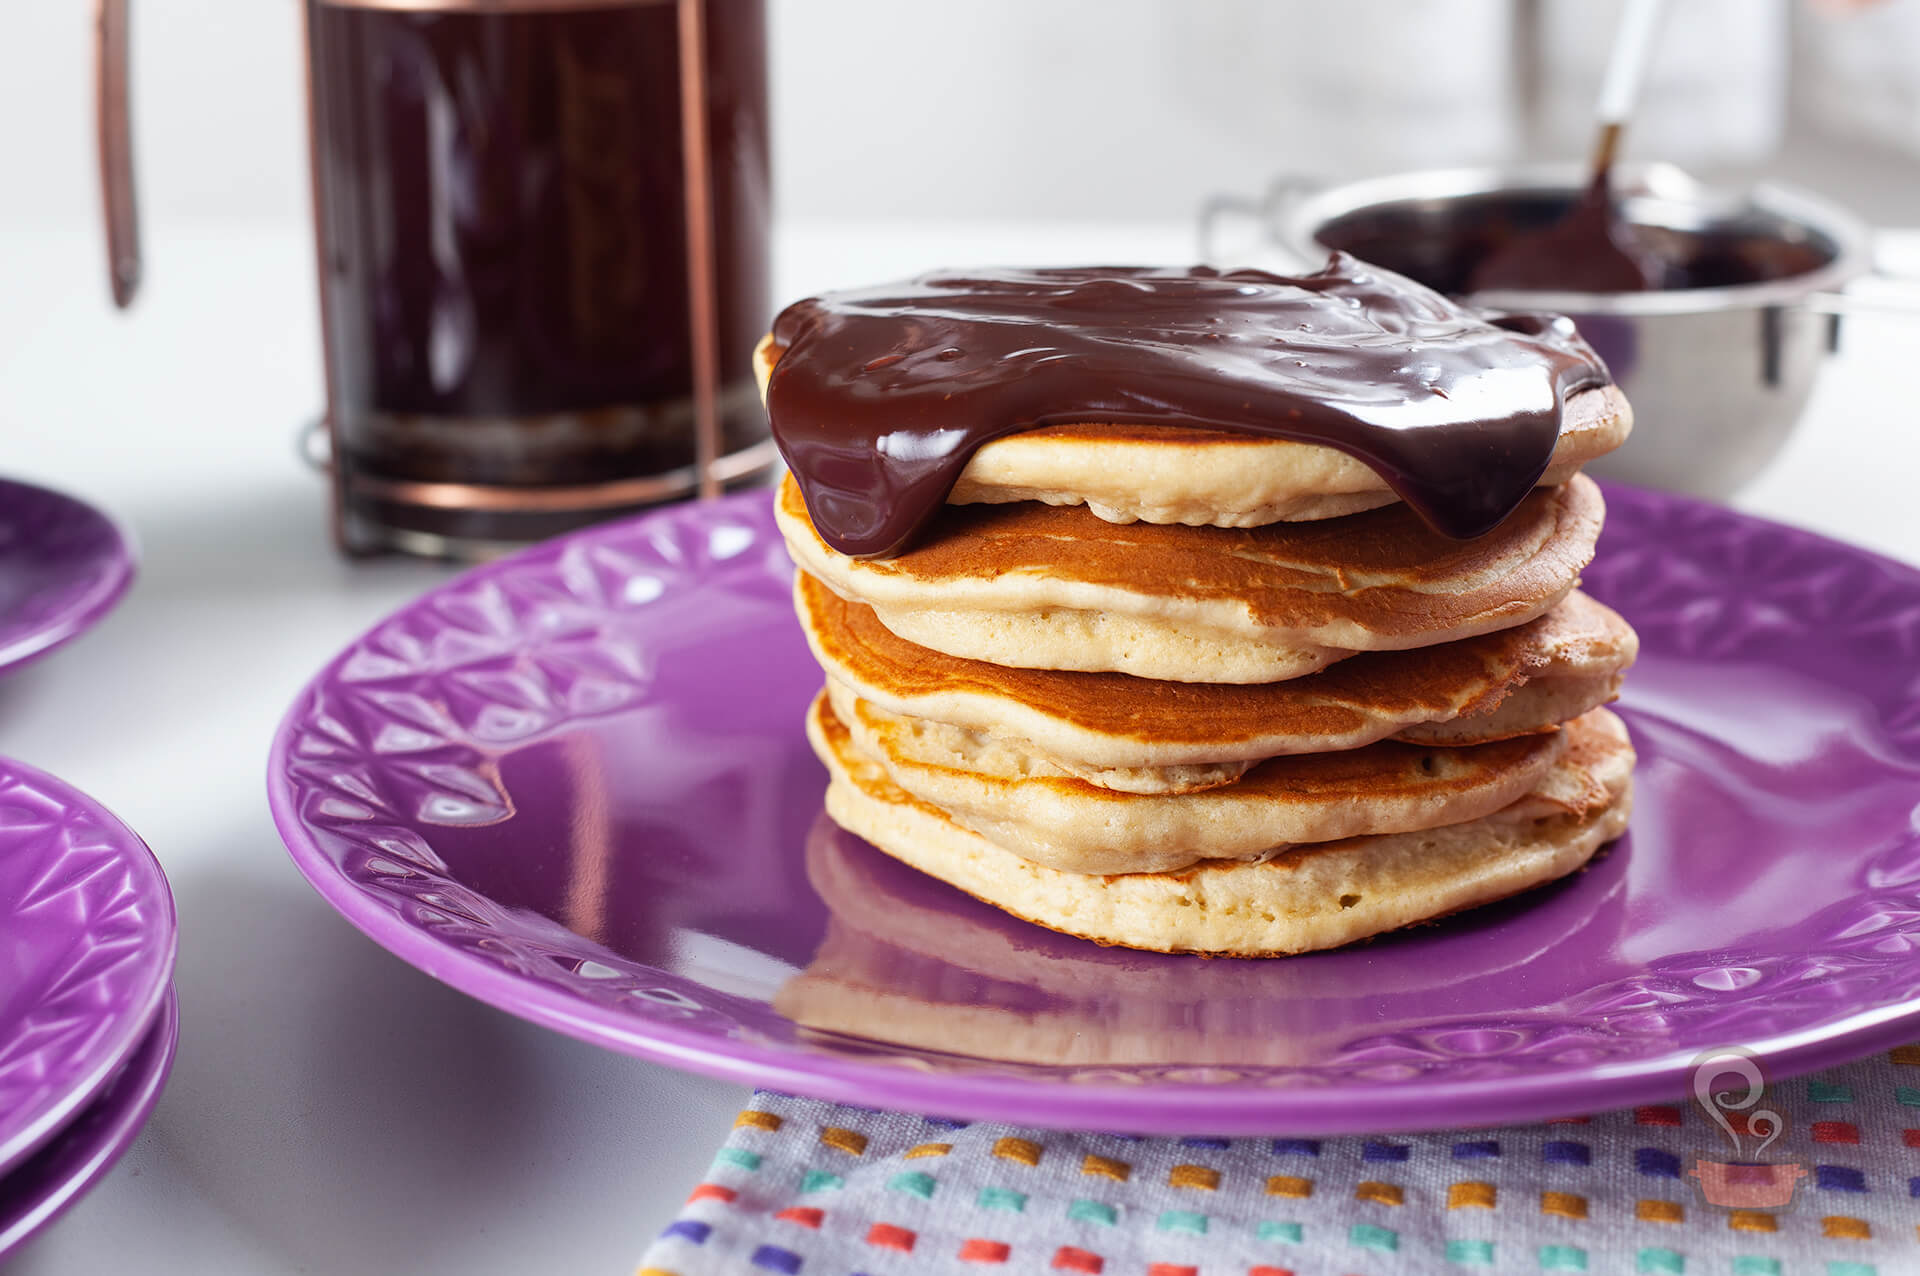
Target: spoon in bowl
<point>1591,248</point>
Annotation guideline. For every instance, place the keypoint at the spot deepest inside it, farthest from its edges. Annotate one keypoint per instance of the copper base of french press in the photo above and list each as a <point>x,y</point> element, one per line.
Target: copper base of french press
<point>477,521</point>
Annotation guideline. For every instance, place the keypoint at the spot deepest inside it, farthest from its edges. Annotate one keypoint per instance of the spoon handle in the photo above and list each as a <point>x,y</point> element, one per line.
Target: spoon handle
<point>1627,62</point>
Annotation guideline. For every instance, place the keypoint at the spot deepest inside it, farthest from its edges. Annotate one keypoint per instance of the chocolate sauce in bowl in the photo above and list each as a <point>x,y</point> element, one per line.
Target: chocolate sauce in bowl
<point>881,395</point>
<point>1446,244</point>
<point>1592,249</point>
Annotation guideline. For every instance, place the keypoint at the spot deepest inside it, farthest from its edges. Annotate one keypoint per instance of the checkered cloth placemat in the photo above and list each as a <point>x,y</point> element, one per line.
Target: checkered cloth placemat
<point>804,1188</point>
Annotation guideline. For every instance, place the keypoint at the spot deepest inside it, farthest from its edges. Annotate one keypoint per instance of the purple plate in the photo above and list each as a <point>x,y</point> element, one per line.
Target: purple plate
<point>63,565</point>
<point>573,784</point>
<point>60,1173</point>
<point>86,950</point>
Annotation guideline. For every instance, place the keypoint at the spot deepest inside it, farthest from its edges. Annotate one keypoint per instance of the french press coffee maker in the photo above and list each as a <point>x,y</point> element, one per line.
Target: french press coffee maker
<point>541,230</point>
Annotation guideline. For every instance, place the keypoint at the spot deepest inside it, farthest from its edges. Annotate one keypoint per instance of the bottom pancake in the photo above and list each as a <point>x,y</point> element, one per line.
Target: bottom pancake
<point>905,963</point>
<point>1307,898</point>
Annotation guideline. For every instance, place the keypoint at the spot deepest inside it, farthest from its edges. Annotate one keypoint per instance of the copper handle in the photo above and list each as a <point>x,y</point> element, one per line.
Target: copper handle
<point>702,304</point>
<point>114,119</point>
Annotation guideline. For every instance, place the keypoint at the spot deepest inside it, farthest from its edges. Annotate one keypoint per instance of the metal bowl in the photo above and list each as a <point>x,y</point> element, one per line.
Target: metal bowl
<point>1718,375</point>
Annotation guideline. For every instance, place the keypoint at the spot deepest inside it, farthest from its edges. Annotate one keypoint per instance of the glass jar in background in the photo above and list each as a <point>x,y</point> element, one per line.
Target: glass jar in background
<point>541,277</point>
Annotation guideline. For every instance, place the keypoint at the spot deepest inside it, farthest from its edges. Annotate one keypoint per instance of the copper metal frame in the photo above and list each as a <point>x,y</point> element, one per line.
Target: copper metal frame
<point>582,497</point>
<point>711,470</point>
<point>112,117</point>
<point>336,472</point>
<point>696,180</point>
<point>490,6</point>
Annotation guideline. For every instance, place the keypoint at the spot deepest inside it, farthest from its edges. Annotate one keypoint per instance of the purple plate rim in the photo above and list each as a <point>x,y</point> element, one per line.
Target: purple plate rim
<point>149,1074</point>
<point>1159,1108</point>
<point>112,1049</point>
<point>90,608</point>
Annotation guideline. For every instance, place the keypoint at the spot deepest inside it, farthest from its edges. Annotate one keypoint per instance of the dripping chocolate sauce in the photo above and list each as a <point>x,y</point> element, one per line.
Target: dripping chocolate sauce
<point>882,395</point>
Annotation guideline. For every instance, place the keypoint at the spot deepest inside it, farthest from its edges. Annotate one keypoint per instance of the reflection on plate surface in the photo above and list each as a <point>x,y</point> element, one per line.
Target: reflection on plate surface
<point>573,783</point>
<point>911,961</point>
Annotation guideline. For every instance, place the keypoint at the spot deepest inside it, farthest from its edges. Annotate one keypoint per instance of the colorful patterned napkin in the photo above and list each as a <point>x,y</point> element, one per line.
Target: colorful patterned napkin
<point>805,1188</point>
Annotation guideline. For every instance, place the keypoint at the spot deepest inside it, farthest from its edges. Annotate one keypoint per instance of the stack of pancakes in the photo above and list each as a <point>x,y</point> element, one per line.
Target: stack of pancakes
<point>1195,691</point>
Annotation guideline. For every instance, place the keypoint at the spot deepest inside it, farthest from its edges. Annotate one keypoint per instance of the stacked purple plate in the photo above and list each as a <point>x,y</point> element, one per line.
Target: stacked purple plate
<point>87,1023</point>
<point>63,566</point>
<point>87,1015</point>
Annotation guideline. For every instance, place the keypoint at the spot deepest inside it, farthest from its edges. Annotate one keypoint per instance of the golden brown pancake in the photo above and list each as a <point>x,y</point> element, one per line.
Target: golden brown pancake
<point>1067,824</point>
<point>1311,897</point>
<point>1145,736</point>
<point>1159,474</point>
<point>1046,587</point>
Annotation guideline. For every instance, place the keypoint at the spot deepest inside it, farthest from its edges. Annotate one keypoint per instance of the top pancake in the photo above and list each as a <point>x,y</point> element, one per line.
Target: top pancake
<point>1047,587</point>
<point>1158,474</point>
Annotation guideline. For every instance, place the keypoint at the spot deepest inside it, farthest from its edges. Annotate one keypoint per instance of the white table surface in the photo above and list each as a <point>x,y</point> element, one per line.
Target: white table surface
<point>333,1110</point>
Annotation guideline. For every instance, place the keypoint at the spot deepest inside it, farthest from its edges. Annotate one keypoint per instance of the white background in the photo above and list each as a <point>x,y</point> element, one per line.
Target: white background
<point>1103,109</point>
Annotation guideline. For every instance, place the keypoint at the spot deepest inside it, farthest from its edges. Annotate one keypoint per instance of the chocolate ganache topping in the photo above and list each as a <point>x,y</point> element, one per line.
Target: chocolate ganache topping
<point>881,395</point>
